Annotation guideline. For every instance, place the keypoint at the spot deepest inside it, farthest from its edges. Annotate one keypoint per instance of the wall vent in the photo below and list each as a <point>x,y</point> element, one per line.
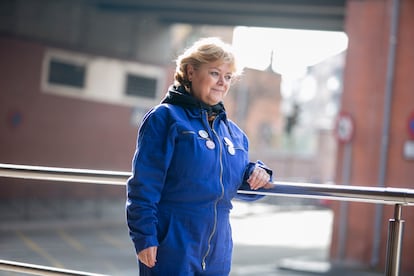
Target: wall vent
<point>140,86</point>
<point>66,74</point>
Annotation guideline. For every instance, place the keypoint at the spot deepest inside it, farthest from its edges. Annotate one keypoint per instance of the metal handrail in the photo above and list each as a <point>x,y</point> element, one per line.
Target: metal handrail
<point>383,195</point>
<point>41,270</point>
<point>64,174</point>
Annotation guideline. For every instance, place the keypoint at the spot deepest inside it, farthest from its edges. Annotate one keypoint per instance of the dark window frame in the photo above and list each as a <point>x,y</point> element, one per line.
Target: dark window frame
<point>65,73</point>
<point>140,86</point>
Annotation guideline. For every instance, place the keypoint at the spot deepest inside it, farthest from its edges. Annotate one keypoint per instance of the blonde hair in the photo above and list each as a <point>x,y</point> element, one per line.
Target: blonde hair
<point>203,51</point>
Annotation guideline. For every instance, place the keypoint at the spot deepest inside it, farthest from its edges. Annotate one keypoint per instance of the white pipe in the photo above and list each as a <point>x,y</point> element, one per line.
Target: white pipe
<point>382,170</point>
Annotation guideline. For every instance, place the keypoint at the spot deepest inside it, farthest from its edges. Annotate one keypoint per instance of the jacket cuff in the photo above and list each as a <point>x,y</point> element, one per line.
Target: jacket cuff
<point>252,165</point>
<point>141,244</point>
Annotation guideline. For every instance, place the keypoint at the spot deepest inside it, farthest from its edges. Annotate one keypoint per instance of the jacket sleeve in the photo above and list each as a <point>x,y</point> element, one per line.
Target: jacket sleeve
<point>153,153</point>
<point>246,187</point>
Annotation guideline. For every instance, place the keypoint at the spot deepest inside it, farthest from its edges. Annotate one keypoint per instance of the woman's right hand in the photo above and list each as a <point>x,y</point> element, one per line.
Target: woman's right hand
<point>259,179</point>
<point>148,256</point>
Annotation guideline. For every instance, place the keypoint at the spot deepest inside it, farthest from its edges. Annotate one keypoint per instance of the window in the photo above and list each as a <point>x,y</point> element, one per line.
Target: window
<point>141,86</point>
<point>65,73</point>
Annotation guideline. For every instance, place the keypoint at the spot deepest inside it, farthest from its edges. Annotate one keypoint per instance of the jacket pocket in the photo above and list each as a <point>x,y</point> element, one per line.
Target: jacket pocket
<point>164,227</point>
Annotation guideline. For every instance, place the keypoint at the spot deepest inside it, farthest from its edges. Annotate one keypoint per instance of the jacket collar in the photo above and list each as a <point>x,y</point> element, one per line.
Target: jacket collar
<point>177,95</point>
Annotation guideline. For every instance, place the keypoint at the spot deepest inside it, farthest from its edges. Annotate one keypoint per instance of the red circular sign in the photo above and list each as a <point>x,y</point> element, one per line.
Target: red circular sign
<point>411,125</point>
<point>344,127</point>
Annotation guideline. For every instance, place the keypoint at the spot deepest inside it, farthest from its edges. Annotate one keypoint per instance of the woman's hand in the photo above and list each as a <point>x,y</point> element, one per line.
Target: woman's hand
<point>259,179</point>
<point>148,256</point>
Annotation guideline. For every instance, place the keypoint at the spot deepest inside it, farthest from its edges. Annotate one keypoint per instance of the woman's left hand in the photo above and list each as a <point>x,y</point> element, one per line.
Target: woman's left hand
<point>259,179</point>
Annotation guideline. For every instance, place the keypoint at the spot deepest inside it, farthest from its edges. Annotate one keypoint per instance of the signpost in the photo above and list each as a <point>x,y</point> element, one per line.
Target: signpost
<point>344,130</point>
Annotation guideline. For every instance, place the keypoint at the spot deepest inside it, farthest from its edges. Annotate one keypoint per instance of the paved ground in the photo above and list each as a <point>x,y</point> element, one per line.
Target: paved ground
<point>269,239</point>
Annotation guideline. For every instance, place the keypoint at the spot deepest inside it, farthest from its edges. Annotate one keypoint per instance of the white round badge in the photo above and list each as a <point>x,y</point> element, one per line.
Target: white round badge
<point>210,144</point>
<point>203,133</point>
<point>228,142</point>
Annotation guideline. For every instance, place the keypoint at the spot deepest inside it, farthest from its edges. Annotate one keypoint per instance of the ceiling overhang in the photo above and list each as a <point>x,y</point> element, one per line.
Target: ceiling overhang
<point>298,14</point>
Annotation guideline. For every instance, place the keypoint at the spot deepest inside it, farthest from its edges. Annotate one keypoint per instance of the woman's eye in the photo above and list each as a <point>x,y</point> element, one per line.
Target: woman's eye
<point>214,74</point>
<point>228,78</point>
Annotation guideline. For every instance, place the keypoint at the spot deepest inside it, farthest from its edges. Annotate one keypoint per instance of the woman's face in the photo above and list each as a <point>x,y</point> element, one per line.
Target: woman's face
<point>211,82</point>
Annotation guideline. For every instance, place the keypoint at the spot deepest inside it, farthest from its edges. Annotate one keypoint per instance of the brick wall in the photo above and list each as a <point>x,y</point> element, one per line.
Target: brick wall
<point>368,28</point>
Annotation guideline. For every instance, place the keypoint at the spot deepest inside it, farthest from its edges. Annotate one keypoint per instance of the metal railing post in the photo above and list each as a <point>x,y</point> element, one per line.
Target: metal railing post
<point>395,235</point>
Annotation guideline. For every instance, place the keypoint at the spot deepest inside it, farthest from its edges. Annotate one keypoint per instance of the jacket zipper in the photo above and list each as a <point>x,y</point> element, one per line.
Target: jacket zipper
<point>203,263</point>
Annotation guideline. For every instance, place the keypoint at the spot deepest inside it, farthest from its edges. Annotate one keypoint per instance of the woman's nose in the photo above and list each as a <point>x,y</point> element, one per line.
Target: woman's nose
<point>221,80</point>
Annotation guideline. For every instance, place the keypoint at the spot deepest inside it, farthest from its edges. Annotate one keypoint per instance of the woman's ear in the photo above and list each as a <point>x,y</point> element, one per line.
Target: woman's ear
<point>190,72</point>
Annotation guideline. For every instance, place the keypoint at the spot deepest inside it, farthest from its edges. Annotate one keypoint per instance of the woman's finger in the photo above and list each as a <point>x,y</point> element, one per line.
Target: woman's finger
<point>148,256</point>
<point>258,178</point>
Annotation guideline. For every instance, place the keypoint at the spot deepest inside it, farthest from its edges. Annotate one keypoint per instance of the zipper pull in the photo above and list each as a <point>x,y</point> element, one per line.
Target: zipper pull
<point>203,264</point>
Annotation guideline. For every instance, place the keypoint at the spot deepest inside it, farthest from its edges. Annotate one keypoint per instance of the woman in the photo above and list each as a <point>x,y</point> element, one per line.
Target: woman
<point>189,163</point>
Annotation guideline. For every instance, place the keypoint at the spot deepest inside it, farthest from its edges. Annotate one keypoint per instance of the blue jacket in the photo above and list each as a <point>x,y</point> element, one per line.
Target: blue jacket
<point>185,174</point>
